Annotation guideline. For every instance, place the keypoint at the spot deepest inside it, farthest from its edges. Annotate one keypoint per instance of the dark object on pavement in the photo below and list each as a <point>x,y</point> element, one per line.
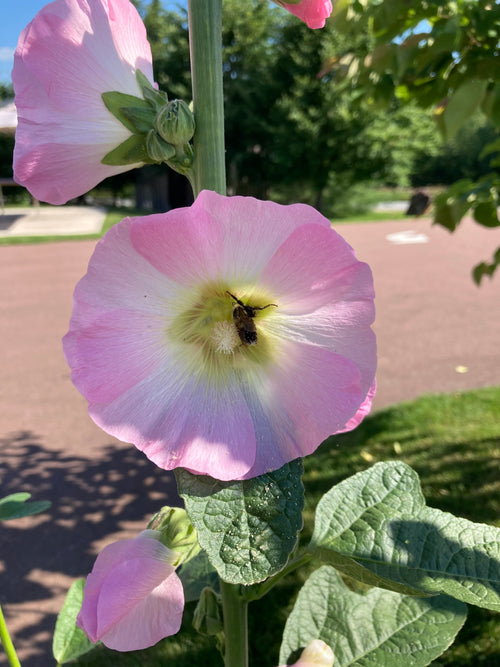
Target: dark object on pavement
<point>419,203</point>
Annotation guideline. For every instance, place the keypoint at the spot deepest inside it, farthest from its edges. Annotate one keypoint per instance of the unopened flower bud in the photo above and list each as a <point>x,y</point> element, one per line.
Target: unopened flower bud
<point>157,149</point>
<point>176,533</point>
<point>315,654</point>
<point>207,617</point>
<point>175,123</point>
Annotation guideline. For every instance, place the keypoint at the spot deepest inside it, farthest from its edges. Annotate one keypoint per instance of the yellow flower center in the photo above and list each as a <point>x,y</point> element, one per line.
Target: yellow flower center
<point>213,329</point>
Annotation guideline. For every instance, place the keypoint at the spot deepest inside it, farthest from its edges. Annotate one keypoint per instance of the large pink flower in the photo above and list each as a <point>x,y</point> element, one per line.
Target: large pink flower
<point>71,53</point>
<point>132,597</point>
<point>165,355</point>
<point>312,12</point>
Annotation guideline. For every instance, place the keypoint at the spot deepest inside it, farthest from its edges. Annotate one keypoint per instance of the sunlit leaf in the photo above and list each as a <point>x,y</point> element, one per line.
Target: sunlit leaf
<point>376,528</point>
<point>248,528</point>
<point>373,629</point>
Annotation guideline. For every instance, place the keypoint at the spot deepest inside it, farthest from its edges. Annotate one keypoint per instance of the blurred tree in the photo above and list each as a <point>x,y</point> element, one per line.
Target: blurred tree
<point>441,54</point>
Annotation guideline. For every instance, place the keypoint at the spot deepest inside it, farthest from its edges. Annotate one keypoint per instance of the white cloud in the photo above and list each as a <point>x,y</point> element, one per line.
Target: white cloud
<point>6,53</point>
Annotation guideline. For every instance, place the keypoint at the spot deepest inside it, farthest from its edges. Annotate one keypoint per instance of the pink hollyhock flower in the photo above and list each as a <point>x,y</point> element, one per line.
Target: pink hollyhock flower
<point>132,597</point>
<point>316,654</point>
<point>71,53</point>
<point>312,12</point>
<point>170,361</point>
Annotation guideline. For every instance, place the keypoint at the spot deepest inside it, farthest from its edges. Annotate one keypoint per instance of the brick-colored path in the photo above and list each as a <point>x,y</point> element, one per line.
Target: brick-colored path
<point>431,320</point>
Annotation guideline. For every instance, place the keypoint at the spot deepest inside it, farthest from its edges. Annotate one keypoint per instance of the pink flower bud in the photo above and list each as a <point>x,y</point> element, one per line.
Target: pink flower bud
<point>316,654</point>
<point>132,597</point>
<point>312,12</point>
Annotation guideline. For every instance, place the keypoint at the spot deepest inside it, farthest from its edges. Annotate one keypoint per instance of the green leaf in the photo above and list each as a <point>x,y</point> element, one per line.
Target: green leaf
<point>69,641</point>
<point>372,629</point>
<point>451,206</point>
<point>485,213</point>
<point>491,104</point>
<point>376,528</point>
<point>196,575</point>
<point>117,102</point>
<point>248,528</point>
<point>461,105</point>
<point>131,151</point>
<point>16,507</point>
<point>484,269</point>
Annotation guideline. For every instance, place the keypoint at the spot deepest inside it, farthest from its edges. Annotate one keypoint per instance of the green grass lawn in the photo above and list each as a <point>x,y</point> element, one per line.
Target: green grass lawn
<point>453,442</point>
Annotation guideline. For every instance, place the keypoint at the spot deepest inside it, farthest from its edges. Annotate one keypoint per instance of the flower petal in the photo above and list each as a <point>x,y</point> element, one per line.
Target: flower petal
<point>308,396</point>
<point>152,619</point>
<point>337,275</point>
<point>364,409</point>
<point>179,419</point>
<point>196,236</point>
<point>253,230</point>
<point>64,129</point>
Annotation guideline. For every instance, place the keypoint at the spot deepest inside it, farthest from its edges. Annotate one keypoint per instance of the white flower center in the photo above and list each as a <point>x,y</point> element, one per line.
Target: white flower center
<point>225,337</point>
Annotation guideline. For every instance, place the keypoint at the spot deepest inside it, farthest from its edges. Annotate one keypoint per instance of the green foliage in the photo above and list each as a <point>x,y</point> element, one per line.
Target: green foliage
<point>69,641</point>
<point>6,152</point>
<point>247,528</point>
<point>291,125</point>
<point>371,629</point>
<point>168,35</point>
<point>376,528</point>
<point>453,442</point>
<point>431,51</point>
<point>467,155</point>
<point>15,506</point>
<point>441,54</point>
<point>486,269</point>
<point>6,91</point>
<point>196,575</point>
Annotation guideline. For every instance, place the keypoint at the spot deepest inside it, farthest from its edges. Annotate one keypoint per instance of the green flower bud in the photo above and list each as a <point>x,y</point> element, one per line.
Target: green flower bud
<point>175,123</point>
<point>158,150</point>
<point>207,618</point>
<point>177,532</point>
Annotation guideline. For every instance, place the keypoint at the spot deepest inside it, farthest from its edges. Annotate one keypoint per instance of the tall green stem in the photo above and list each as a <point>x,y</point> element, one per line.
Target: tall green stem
<point>205,42</point>
<point>235,610</point>
<point>209,173</point>
<point>7,643</point>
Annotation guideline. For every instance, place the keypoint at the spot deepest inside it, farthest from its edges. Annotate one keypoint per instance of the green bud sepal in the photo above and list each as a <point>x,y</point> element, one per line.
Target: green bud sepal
<point>157,149</point>
<point>131,151</point>
<point>160,130</point>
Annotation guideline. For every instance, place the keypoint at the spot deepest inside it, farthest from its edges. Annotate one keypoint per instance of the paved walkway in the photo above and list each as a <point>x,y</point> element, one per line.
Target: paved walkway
<point>44,220</point>
<point>436,331</point>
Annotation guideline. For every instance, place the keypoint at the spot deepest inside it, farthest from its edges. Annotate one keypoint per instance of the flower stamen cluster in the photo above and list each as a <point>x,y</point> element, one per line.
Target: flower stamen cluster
<point>208,331</point>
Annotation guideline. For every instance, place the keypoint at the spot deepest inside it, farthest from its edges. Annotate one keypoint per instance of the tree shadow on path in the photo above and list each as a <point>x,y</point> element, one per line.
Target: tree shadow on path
<point>92,501</point>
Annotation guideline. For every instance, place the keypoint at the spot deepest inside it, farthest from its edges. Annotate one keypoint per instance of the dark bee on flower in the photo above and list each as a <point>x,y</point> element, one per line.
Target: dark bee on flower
<point>243,318</point>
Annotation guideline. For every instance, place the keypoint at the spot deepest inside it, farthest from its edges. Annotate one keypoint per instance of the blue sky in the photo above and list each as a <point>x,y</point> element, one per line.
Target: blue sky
<point>17,17</point>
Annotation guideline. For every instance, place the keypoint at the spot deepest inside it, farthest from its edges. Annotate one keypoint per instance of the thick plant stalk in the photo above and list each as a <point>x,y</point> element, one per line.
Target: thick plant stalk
<point>205,40</point>
<point>235,610</point>
<point>209,173</point>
